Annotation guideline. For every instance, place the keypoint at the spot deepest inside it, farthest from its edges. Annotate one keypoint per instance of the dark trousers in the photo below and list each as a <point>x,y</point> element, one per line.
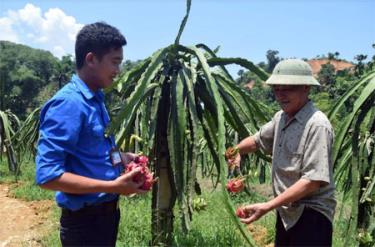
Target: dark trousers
<point>90,226</point>
<point>312,229</point>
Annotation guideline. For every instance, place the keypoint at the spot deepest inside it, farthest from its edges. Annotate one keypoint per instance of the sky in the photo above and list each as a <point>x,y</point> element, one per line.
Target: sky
<point>247,29</point>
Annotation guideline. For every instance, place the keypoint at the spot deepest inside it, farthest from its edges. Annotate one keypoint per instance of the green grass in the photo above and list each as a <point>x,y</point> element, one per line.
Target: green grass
<point>135,222</point>
<point>53,238</point>
<point>24,186</point>
<point>210,227</point>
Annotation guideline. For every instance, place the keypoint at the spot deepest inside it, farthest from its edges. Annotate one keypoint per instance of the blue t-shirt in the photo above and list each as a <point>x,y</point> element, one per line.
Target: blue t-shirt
<point>72,126</point>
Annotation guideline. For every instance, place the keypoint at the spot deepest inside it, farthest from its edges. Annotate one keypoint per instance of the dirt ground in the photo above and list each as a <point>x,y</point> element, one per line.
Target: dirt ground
<point>22,223</point>
<point>259,234</point>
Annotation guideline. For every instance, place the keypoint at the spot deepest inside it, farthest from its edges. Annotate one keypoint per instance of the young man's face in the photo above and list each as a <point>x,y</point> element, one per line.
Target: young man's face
<point>291,98</point>
<point>108,67</point>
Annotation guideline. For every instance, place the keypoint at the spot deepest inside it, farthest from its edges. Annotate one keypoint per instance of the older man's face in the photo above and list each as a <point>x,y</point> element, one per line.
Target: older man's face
<point>291,98</point>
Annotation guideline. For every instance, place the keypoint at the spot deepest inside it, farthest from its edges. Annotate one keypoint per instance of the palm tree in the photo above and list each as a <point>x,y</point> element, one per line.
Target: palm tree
<point>180,101</point>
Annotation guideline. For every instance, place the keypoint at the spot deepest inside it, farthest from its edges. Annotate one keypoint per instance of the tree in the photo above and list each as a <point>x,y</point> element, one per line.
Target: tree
<point>272,60</point>
<point>262,65</point>
<point>24,72</point>
<point>326,75</point>
<point>327,78</point>
<point>64,70</point>
<point>240,73</point>
<point>178,103</point>
<point>371,63</point>
<point>25,86</point>
<point>333,56</point>
<point>359,68</point>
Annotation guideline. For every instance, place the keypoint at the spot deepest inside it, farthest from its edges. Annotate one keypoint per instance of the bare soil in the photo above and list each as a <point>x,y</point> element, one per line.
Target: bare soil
<point>259,233</point>
<point>22,223</point>
<point>316,65</point>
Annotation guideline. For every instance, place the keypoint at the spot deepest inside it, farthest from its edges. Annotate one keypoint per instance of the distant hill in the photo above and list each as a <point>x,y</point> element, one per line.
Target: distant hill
<point>316,64</point>
<point>24,73</point>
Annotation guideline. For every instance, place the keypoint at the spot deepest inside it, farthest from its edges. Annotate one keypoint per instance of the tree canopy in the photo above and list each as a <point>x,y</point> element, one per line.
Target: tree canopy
<point>29,76</point>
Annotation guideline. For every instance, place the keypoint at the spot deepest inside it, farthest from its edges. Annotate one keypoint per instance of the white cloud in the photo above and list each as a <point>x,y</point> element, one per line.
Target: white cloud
<point>6,31</point>
<point>58,51</point>
<point>53,30</point>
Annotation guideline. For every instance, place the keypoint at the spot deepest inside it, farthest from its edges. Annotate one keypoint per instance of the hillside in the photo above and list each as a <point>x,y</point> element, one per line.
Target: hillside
<point>316,65</point>
<point>25,72</point>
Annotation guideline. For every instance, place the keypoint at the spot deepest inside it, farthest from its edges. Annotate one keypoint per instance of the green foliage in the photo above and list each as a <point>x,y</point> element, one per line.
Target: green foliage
<point>179,88</point>
<point>256,86</point>
<point>360,67</point>
<point>353,155</point>
<point>322,101</point>
<point>26,82</point>
<point>25,72</point>
<point>333,56</point>
<point>257,89</point>
<point>64,70</point>
<point>272,60</point>
<point>199,204</point>
<point>9,124</point>
<point>25,139</point>
<point>327,77</point>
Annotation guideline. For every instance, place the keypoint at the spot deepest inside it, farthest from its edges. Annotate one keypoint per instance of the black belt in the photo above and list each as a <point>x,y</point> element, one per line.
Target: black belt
<point>102,208</point>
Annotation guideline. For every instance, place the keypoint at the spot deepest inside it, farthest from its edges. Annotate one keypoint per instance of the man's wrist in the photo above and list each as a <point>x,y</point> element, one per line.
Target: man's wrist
<point>108,186</point>
<point>270,205</point>
<point>237,149</point>
<point>231,152</point>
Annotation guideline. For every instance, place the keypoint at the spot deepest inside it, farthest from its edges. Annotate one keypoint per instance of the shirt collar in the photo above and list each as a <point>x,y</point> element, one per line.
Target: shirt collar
<point>301,116</point>
<point>99,95</point>
<point>85,90</point>
<point>304,113</point>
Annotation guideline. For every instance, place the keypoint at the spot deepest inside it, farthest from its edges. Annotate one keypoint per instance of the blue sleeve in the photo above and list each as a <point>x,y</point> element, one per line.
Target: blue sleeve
<point>60,124</point>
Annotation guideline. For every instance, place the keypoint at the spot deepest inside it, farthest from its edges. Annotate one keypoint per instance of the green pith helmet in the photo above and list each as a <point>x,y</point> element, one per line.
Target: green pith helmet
<point>292,72</point>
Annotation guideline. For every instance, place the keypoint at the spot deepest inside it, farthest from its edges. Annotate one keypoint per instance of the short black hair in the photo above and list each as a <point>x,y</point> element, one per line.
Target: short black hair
<point>98,38</point>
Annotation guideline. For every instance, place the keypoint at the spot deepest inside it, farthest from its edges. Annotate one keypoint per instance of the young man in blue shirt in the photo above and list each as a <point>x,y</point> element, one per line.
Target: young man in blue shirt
<point>74,154</point>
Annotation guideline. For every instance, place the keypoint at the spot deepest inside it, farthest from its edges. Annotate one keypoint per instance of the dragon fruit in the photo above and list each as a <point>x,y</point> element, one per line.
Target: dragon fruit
<point>145,175</point>
<point>235,185</point>
<point>240,212</point>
